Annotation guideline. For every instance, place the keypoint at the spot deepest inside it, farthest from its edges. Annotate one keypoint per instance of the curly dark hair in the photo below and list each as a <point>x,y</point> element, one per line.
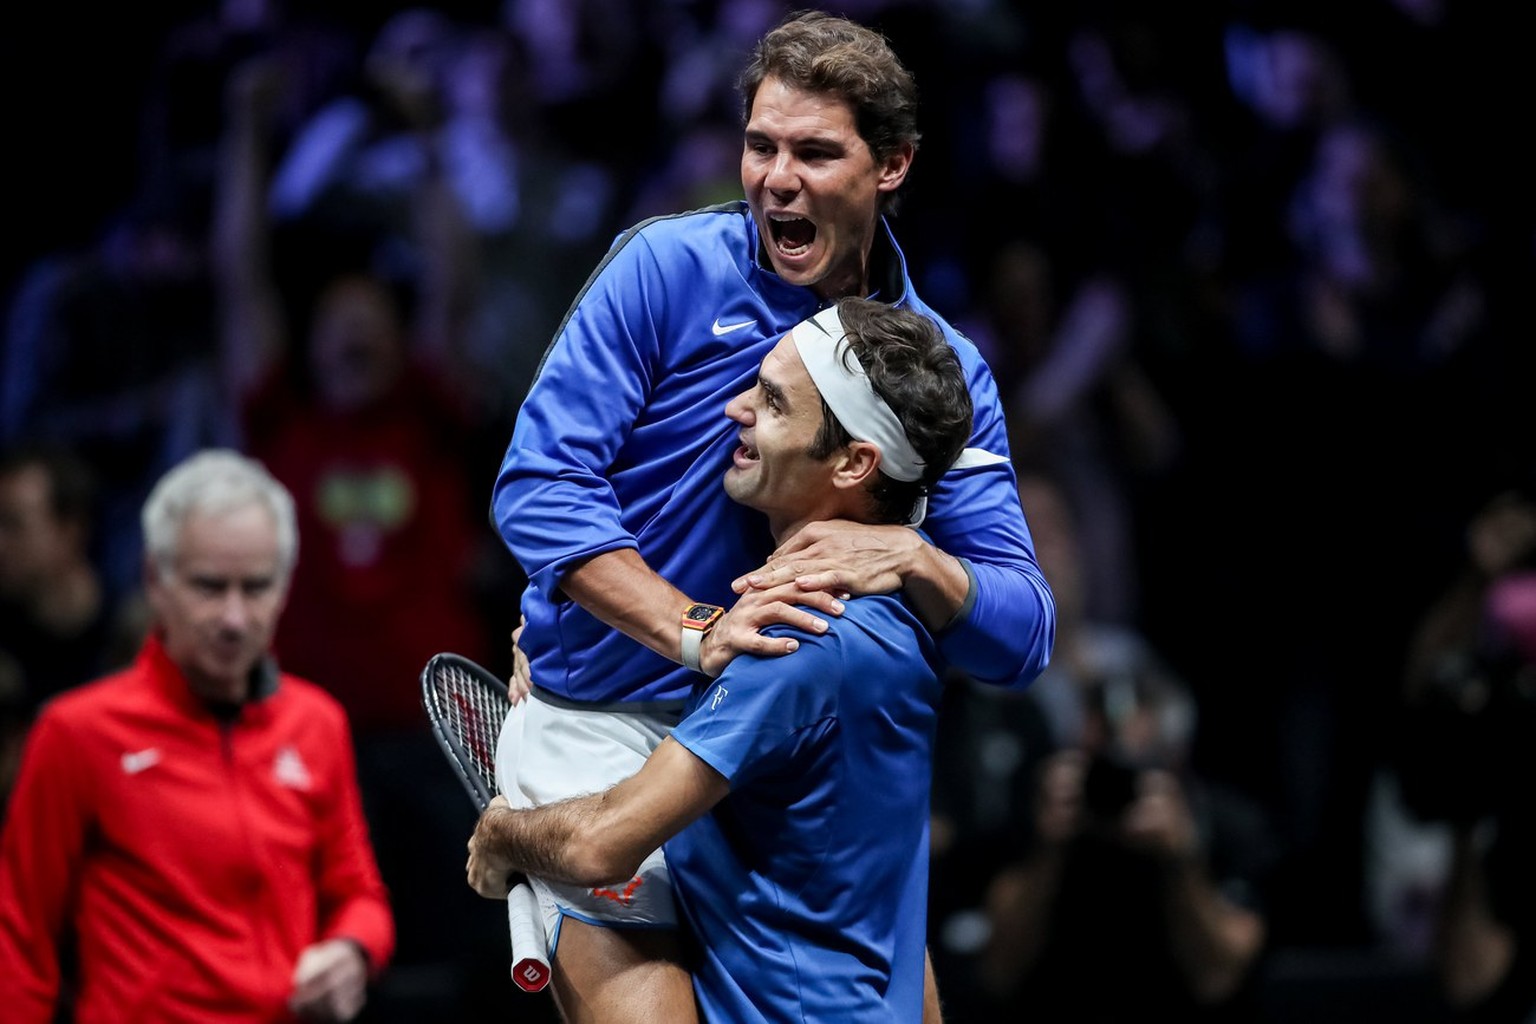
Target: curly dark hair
<point>916,371</point>
<point>824,53</point>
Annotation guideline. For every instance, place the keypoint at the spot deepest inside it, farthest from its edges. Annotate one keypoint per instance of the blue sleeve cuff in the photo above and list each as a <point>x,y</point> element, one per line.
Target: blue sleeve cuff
<point>970,598</point>
<point>1004,631</point>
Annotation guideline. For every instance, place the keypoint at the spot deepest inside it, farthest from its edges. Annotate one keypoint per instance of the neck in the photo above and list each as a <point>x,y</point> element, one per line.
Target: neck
<point>222,694</point>
<point>841,286</point>
<point>783,531</point>
<point>785,528</point>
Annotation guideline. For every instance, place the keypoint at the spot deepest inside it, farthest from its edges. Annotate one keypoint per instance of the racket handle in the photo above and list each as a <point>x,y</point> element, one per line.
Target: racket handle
<point>530,961</point>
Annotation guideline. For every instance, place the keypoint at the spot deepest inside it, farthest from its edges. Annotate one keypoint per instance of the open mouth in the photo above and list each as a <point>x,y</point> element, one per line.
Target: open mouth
<point>792,236</point>
<point>745,454</point>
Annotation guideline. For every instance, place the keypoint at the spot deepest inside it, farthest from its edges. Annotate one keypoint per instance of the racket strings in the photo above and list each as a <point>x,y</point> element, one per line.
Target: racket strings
<point>466,706</point>
<point>474,713</point>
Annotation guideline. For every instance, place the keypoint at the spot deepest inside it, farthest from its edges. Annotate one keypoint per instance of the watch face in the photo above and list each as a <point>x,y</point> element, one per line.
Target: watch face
<point>701,612</point>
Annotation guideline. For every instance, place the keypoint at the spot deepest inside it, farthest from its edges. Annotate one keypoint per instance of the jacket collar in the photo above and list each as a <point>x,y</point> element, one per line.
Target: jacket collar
<point>171,681</point>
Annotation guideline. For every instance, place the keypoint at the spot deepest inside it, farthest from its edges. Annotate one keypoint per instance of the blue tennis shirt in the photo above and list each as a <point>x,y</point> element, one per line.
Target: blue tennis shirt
<point>807,885</point>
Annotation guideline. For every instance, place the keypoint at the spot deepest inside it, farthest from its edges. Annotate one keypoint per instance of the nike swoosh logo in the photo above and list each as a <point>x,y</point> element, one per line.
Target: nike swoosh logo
<point>135,762</point>
<point>718,328</point>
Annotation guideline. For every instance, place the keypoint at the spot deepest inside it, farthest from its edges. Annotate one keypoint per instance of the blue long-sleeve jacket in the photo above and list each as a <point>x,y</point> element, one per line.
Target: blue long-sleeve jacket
<point>622,442</point>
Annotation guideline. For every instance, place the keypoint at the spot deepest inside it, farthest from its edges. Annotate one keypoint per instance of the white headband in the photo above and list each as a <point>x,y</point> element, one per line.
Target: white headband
<point>845,387</point>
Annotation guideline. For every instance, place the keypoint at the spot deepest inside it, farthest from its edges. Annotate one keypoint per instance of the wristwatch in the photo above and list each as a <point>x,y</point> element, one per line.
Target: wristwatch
<point>698,619</point>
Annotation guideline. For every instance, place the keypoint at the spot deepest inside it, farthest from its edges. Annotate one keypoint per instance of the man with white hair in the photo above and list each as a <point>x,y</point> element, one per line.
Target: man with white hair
<point>193,821</point>
<point>793,797</point>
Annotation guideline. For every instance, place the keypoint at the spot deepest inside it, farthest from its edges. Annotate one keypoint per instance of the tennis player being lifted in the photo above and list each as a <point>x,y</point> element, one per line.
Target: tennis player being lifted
<point>793,796</point>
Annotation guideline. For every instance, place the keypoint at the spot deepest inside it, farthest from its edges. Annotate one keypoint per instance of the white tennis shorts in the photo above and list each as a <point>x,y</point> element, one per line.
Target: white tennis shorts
<point>549,751</point>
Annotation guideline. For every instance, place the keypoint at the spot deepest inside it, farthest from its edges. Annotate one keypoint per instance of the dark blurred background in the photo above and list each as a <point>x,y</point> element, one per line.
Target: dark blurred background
<point>1255,279</point>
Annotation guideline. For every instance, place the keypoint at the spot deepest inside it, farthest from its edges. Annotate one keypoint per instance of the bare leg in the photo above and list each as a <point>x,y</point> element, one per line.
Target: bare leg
<point>613,975</point>
<point>932,1014</point>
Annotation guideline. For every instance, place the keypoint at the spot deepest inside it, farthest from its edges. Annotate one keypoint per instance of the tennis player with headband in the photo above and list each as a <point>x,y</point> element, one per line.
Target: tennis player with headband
<point>792,799</point>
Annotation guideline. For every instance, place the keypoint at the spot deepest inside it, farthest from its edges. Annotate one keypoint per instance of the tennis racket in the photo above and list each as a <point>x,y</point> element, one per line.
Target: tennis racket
<point>466,705</point>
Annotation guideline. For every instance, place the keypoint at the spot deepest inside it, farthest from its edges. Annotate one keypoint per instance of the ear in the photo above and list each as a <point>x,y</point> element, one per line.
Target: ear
<point>856,465</point>
<point>894,168</point>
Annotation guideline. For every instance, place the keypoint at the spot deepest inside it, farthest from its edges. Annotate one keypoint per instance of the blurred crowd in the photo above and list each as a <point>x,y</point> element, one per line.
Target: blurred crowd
<point>1254,281</point>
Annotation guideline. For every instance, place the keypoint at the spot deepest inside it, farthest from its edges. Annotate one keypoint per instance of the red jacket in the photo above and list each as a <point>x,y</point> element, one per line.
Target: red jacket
<point>193,857</point>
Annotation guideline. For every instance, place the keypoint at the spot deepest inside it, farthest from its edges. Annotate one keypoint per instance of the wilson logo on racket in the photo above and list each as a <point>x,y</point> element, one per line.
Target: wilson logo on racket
<point>623,898</point>
<point>531,975</point>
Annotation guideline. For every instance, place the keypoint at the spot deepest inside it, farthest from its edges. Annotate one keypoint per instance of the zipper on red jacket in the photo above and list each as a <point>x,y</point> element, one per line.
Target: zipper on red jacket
<point>264,952</point>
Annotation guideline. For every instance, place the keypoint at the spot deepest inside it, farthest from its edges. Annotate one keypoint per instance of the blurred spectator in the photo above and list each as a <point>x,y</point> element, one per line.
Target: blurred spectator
<point>110,351</point>
<point>1374,318</point>
<point>703,46</point>
<point>1031,182</point>
<point>1063,327</point>
<point>1140,887</point>
<point>15,718</point>
<point>1289,82</point>
<point>593,62</point>
<point>356,166</point>
<point>1381,278</point>
<point>1153,149</point>
<point>1034,186</point>
<point>1463,756</point>
<point>183,112</point>
<point>58,622</point>
<point>1487,925</point>
<point>1140,894</point>
<point>185,840</point>
<point>1420,65</point>
<point>350,394</point>
<point>448,106</point>
<point>702,168</point>
<point>536,234</point>
<point>990,746</point>
<point>1083,405</point>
